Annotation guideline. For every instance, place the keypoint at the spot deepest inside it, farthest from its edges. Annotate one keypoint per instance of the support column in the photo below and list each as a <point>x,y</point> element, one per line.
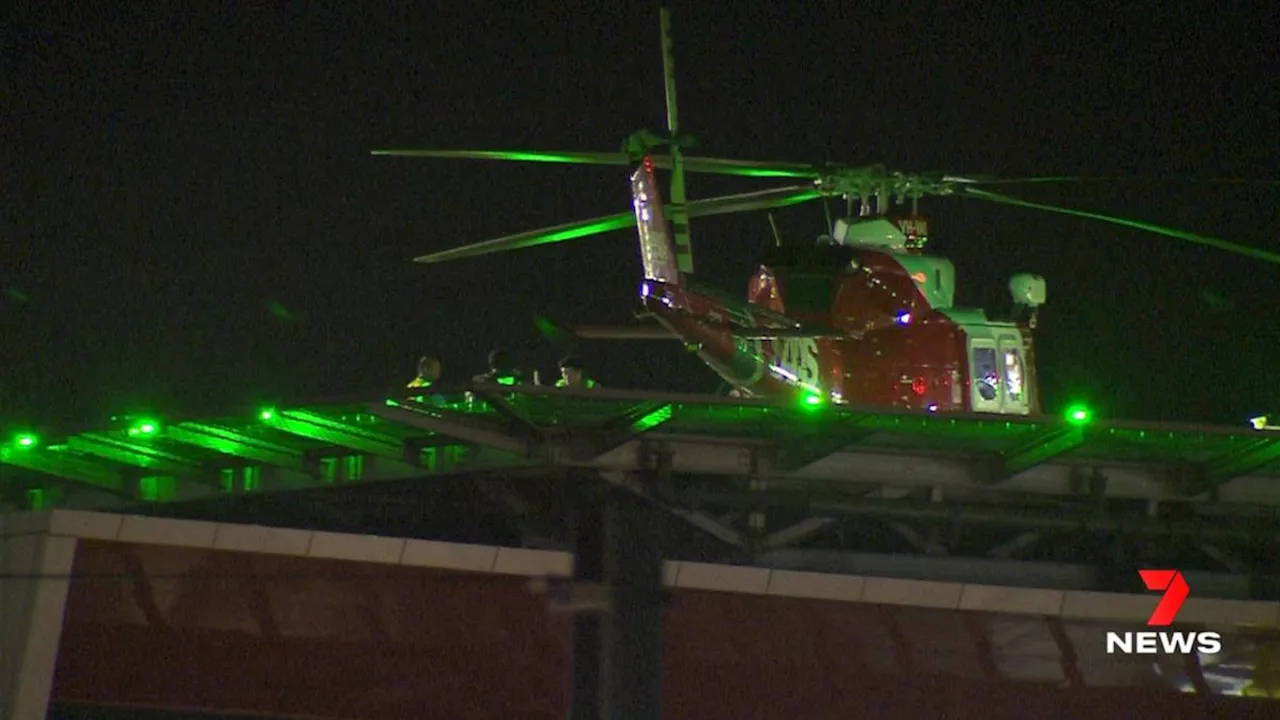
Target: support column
<point>35,572</point>
<point>633,566</point>
<point>586,523</point>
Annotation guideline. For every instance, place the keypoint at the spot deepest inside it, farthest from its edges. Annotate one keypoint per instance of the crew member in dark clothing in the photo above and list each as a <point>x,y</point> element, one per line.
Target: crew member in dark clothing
<point>501,371</point>
<point>572,376</point>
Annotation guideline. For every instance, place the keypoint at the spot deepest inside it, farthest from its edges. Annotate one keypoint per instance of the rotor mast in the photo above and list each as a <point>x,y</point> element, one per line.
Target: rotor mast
<point>676,210</point>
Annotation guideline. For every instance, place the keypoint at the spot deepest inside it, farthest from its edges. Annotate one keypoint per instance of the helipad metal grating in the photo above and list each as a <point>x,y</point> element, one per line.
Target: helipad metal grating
<point>506,428</point>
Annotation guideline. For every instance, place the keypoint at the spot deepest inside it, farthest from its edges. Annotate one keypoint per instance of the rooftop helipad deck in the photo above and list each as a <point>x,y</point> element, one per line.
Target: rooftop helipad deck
<point>498,429</point>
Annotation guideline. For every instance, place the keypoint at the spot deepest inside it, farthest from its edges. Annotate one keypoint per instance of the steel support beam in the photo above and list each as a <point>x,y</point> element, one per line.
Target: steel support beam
<point>493,395</point>
<point>633,569</point>
<point>1066,519</point>
<point>818,438</point>
<point>696,518</point>
<point>795,533</point>
<point>1067,656</point>
<point>926,545</point>
<point>313,425</point>
<point>455,425</point>
<point>617,629</point>
<point>236,443</point>
<point>587,538</point>
<point>1010,547</point>
<point>1039,449</point>
<point>1256,455</point>
<point>63,462</point>
<point>589,443</point>
<point>1125,480</point>
<point>138,454</point>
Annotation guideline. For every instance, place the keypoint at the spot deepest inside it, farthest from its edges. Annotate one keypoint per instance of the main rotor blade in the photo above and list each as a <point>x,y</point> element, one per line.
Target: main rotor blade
<point>981,180</point>
<point>544,156</point>
<point>1136,224</point>
<point>534,238</point>
<point>713,166</point>
<point>723,205</point>
<point>759,200</point>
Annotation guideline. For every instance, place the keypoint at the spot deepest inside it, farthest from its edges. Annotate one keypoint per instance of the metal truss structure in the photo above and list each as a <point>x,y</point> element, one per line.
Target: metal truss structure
<point>756,476</point>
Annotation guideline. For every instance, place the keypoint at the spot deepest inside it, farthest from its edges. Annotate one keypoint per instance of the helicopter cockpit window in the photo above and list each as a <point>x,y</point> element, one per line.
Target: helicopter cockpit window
<point>986,373</point>
<point>1013,375</point>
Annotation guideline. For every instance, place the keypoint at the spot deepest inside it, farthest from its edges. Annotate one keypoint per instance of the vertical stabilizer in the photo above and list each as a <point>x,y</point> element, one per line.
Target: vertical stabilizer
<point>676,213</point>
<point>657,250</point>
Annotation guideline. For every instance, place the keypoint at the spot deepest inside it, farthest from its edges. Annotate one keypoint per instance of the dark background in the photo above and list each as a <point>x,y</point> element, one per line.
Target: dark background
<point>192,218</point>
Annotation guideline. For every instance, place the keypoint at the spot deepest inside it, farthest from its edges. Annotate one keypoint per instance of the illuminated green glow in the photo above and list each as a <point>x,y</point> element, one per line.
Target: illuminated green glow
<point>707,207</point>
<point>812,401</point>
<point>266,414</point>
<point>1079,415</point>
<point>653,419</point>
<point>536,238</point>
<point>144,427</point>
<point>148,489</point>
<point>26,440</point>
<point>714,166</point>
<point>544,156</point>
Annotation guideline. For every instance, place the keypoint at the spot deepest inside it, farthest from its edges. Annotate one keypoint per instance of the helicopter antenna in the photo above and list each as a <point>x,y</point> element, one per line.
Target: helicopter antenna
<point>777,236</point>
<point>678,213</point>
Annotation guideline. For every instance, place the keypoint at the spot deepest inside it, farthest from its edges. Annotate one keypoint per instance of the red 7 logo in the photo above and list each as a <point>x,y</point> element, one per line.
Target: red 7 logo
<point>1175,593</point>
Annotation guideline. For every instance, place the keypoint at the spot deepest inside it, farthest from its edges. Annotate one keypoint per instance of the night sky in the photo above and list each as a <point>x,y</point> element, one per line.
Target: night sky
<point>193,220</point>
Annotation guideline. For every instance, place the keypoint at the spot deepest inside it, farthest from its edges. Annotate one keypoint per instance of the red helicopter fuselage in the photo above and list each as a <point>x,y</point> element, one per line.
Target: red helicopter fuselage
<point>841,323</point>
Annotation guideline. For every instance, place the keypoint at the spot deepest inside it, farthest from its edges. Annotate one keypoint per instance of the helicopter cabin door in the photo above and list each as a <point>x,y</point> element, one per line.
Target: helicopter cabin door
<point>998,372</point>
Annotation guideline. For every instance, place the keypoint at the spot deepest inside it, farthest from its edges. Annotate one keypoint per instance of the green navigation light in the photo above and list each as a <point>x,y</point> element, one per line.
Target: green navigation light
<point>1079,415</point>
<point>144,428</point>
<point>266,414</point>
<point>26,440</point>
<point>811,401</point>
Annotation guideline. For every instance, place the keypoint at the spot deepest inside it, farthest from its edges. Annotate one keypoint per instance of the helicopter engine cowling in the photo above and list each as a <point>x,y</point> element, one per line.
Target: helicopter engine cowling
<point>1027,290</point>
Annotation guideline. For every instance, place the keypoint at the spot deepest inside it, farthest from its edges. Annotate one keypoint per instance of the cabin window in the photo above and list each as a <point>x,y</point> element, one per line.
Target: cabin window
<point>1014,378</point>
<point>986,374</point>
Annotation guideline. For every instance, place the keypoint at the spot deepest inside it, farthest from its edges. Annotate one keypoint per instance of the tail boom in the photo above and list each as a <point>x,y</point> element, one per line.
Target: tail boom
<point>777,367</point>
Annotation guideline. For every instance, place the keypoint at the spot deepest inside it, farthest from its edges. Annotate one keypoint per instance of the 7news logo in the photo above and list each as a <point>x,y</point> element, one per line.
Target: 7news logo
<point>1175,590</point>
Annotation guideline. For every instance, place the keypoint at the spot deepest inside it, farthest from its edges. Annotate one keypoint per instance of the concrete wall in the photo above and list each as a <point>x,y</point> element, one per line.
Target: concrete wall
<point>167,613</point>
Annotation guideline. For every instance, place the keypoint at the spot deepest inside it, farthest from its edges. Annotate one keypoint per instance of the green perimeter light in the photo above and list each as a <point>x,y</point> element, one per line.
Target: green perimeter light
<point>1079,415</point>
<point>26,440</point>
<point>266,414</point>
<point>144,427</point>
<point>811,401</point>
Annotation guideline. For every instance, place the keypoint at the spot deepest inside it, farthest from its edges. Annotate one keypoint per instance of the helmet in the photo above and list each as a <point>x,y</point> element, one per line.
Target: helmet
<point>428,365</point>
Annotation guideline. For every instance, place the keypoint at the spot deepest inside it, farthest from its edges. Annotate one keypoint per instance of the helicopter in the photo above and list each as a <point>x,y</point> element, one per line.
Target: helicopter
<point>862,317</point>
